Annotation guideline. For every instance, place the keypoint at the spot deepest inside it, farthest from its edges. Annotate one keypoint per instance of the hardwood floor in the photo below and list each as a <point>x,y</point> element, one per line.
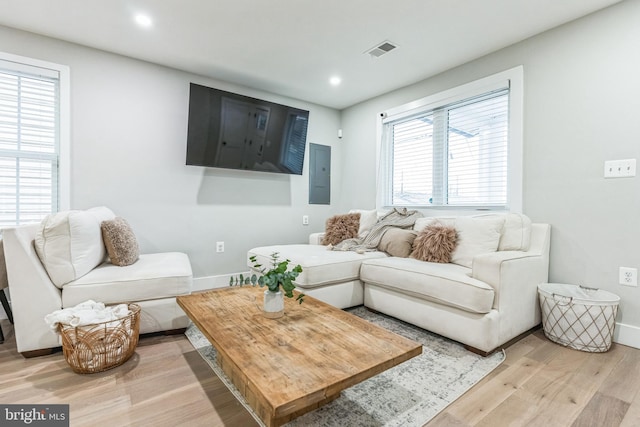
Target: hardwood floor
<point>167,383</point>
<point>544,384</point>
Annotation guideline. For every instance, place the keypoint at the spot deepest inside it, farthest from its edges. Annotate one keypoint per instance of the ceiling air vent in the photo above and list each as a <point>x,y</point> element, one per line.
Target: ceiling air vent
<point>381,49</point>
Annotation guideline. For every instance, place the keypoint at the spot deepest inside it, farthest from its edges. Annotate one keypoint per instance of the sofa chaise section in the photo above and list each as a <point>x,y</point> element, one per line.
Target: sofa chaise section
<point>331,276</point>
<point>152,282</point>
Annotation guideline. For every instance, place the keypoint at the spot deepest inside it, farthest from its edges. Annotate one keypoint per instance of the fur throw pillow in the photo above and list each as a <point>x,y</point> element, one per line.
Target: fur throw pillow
<point>435,243</point>
<point>120,242</point>
<point>341,227</point>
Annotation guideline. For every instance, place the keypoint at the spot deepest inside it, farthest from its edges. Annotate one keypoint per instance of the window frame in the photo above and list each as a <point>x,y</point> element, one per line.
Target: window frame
<point>24,64</point>
<point>512,79</point>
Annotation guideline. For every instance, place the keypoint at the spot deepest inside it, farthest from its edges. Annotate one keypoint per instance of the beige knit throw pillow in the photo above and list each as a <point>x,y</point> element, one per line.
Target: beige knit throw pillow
<point>120,242</point>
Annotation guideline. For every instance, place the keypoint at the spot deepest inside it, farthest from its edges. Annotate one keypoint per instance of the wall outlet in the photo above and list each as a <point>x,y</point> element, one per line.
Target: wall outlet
<point>628,276</point>
<point>305,219</point>
<point>219,246</point>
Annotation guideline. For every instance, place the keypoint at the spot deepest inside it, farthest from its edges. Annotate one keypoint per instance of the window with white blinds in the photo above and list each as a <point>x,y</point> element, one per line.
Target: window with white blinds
<point>453,156</point>
<point>29,143</point>
<point>452,151</point>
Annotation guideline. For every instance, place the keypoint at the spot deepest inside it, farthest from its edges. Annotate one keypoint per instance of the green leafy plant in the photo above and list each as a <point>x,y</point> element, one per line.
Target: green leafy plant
<point>277,277</point>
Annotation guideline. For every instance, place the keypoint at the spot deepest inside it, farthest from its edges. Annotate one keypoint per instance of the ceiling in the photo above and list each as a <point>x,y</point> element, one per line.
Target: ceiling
<point>293,47</point>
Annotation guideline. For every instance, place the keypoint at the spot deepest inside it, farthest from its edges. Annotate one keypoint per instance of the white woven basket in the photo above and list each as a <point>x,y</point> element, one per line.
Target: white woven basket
<point>578,317</point>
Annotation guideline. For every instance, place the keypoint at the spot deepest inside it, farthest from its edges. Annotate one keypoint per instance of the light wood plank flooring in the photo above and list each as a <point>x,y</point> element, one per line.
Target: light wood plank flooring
<point>166,383</point>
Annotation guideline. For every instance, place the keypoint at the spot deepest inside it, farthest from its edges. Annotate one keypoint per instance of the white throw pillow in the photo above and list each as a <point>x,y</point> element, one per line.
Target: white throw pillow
<point>516,233</point>
<point>367,220</point>
<point>476,236</point>
<point>102,213</point>
<point>69,244</point>
<point>421,223</point>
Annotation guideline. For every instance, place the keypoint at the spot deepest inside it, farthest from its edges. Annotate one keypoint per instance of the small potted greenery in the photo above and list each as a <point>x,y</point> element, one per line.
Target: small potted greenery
<point>278,280</point>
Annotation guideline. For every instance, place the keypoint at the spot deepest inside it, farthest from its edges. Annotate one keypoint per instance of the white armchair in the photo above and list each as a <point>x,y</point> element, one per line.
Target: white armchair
<point>152,282</point>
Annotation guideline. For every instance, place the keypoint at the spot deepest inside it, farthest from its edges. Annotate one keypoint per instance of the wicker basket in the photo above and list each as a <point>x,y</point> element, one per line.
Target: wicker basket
<point>578,317</point>
<point>101,346</point>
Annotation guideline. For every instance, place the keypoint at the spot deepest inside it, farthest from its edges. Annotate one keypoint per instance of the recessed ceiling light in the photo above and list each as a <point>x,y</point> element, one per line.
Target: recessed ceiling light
<point>335,81</point>
<point>143,20</point>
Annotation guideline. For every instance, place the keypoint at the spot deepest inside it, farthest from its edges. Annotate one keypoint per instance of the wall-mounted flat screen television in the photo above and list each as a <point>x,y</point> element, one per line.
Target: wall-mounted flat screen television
<point>227,130</point>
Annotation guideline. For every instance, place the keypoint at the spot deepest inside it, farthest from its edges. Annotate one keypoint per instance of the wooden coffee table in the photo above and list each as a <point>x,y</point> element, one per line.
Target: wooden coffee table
<point>292,365</point>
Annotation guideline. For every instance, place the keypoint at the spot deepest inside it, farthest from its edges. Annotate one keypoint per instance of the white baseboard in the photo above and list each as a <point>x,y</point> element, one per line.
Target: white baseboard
<point>627,335</point>
<point>213,282</point>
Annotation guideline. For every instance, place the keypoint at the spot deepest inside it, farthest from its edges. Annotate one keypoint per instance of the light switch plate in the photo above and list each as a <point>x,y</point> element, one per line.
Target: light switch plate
<point>620,168</point>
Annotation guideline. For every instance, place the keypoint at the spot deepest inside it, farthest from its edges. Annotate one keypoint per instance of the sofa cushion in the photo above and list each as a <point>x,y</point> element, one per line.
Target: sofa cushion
<point>447,284</point>
<point>421,223</point>
<point>102,213</point>
<point>397,242</point>
<point>120,242</point>
<point>476,236</point>
<point>153,276</point>
<point>368,219</point>
<point>435,243</point>
<point>516,233</point>
<point>69,244</point>
<point>341,227</point>
<point>514,236</point>
<point>320,266</point>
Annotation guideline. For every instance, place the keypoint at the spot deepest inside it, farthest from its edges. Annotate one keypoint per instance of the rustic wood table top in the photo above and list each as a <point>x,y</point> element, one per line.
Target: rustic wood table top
<point>288,366</point>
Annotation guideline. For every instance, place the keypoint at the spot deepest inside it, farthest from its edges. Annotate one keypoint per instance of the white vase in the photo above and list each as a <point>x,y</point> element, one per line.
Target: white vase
<point>273,304</point>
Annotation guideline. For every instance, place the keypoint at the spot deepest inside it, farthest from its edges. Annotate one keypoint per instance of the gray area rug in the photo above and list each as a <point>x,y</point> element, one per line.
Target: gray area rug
<point>409,394</point>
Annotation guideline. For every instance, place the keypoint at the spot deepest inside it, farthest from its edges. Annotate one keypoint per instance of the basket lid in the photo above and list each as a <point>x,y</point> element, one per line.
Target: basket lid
<point>579,293</point>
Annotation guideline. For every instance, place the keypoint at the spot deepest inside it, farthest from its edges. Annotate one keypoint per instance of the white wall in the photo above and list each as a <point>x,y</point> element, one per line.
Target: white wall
<point>128,131</point>
<point>581,107</point>
<point>582,101</point>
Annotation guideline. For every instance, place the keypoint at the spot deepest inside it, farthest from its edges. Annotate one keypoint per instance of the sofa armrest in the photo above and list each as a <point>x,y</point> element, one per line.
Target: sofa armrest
<point>316,238</point>
<point>522,269</point>
<point>504,267</point>
<point>515,276</point>
<point>33,295</point>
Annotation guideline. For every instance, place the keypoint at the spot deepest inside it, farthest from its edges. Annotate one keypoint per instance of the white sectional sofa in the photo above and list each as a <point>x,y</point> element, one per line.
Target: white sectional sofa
<point>76,268</point>
<point>484,298</point>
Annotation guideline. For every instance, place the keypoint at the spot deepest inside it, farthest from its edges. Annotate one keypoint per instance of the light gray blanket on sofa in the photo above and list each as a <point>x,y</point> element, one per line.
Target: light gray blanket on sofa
<point>398,218</point>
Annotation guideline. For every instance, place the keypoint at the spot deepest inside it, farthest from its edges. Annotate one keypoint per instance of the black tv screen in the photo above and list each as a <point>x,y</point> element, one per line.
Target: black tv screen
<point>227,130</point>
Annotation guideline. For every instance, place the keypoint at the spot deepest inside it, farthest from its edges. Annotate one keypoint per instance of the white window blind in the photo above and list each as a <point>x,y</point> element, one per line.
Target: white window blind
<point>452,155</point>
<point>29,143</point>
